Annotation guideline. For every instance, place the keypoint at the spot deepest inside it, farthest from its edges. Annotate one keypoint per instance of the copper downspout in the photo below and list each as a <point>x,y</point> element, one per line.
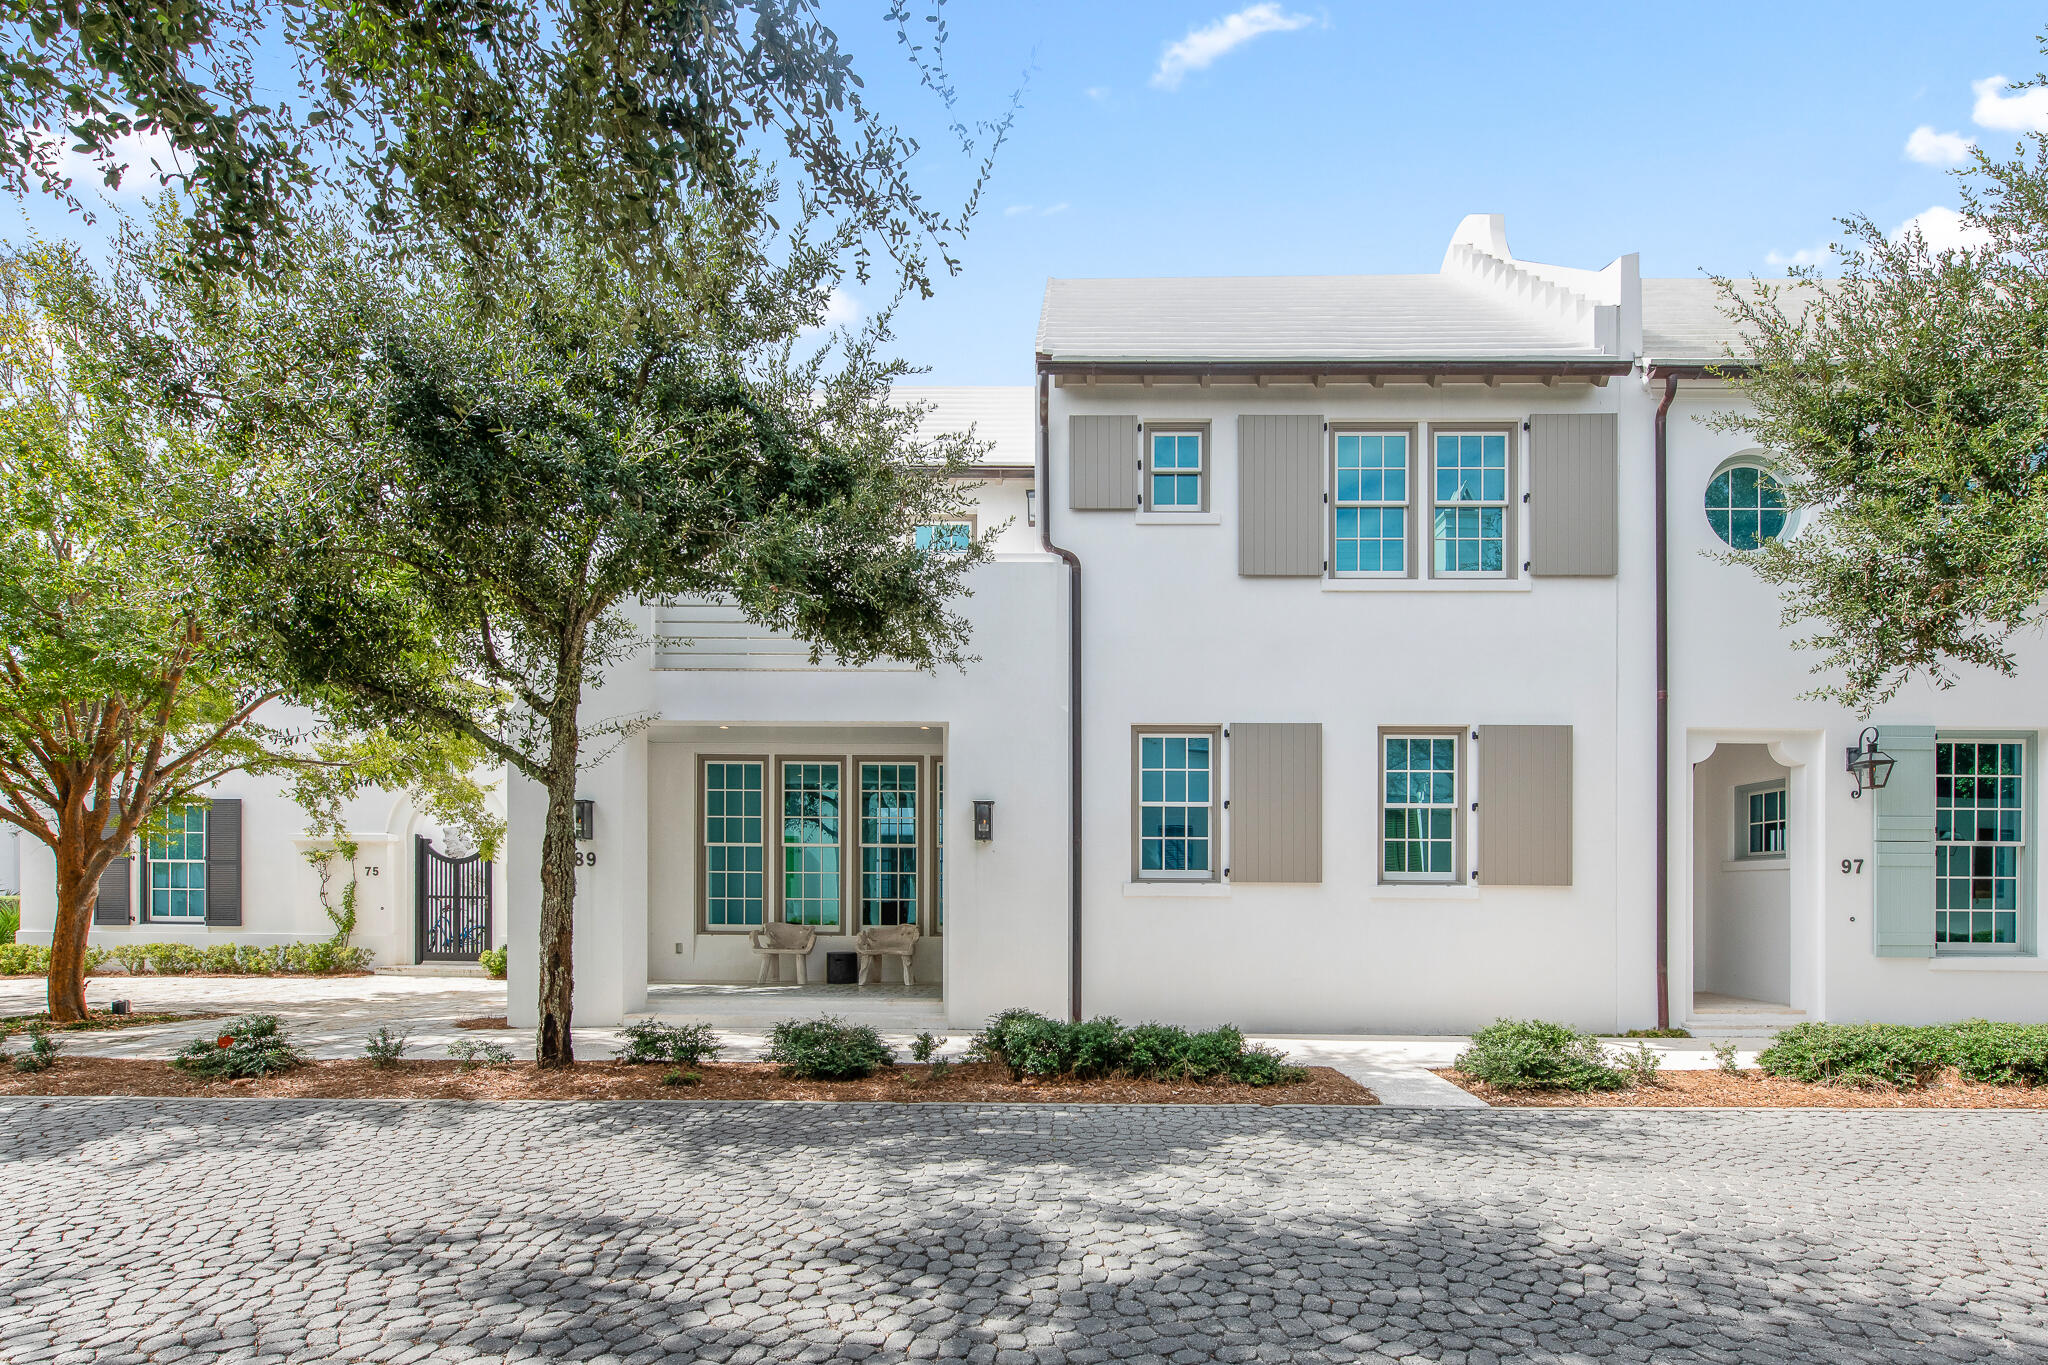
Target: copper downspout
<point>1073,692</point>
<point>1663,726</point>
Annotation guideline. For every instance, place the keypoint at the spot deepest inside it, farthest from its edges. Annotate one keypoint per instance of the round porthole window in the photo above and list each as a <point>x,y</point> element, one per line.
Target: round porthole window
<point>1746,506</point>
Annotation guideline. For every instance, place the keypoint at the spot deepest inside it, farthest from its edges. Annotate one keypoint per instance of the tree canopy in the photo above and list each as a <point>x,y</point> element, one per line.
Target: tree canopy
<point>1905,403</point>
<point>490,124</point>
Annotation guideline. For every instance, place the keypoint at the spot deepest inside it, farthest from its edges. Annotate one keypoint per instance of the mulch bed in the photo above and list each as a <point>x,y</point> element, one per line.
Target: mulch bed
<point>972,1083</point>
<point>485,1021</point>
<point>100,1020</point>
<point>1755,1090</point>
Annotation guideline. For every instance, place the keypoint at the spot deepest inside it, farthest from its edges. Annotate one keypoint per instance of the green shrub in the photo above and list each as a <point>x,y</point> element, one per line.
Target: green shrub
<point>253,959</point>
<point>493,960</point>
<point>476,1052</point>
<point>1856,1054</point>
<point>1724,1057</point>
<point>924,1046</point>
<point>172,959</point>
<point>1998,1054</point>
<point>1531,1054</point>
<point>219,959</point>
<point>1642,1065</point>
<point>41,1054</point>
<point>24,959</point>
<point>253,1045</point>
<point>827,1049</point>
<point>1033,1045</point>
<point>10,919</point>
<point>133,957</point>
<point>384,1047</point>
<point>650,1040</point>
<point>680,1078</point>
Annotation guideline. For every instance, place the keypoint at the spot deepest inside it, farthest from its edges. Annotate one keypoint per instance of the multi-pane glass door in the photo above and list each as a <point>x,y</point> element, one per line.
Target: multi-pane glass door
<point>811,832</point>
<point>888,843</point>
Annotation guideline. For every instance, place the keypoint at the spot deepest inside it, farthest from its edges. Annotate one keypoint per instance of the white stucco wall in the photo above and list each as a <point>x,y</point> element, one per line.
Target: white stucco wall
<point>1742,927</point>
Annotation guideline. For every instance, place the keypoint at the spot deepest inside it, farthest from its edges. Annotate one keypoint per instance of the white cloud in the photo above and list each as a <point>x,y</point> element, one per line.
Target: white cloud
<point>1943,229</point>
<point>842,309</point>
<point>1938,149</point>
<point>2017,111</point>
<point>1806,255</point>
<point>1203,46</point>
<point>1060,207</point>
<point>1013,210</point>
<point>141,156</point>
<point>1098,93</point>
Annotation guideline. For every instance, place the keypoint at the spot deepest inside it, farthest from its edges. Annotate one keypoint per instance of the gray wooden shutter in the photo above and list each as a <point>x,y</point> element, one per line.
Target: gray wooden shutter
<point>1525,805</point>
<point>1280,497</point>
<point>1102,464</point>
<point>111,905</point>
<point>224,862</point>
<point>1573,502</point>
<point>1902,919</point>
<point>1276,803</point>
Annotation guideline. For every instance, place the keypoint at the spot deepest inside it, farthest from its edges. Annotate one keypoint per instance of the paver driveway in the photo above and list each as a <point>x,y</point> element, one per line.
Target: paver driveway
<point>179,1230</point>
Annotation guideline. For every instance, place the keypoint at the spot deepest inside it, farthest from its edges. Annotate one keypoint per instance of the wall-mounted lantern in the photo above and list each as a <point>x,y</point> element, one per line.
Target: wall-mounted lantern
<point>1868,764</point>
<point>984,821</point>
<point>586,819</point>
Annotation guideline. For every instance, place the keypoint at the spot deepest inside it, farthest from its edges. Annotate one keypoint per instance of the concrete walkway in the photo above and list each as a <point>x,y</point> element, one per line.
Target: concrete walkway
<point>331,1016</point>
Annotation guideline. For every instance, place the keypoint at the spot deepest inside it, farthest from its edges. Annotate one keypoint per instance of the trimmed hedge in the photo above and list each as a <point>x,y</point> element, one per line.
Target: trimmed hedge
<point>182,959</point>
<point>828,1049</point>
<point>1534,1054</point>
<point>1999,1054</point>
<point>1032,1045</point>
<point>1892,1054</point>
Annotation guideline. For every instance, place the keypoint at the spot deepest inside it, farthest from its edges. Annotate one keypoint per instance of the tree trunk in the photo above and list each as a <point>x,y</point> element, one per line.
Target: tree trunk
<point>553,1046</point>
<point>77,891</point>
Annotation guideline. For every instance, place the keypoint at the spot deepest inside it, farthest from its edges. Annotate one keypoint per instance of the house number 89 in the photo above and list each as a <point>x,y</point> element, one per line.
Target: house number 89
<point>1852,865</point>
<point>586,860</point>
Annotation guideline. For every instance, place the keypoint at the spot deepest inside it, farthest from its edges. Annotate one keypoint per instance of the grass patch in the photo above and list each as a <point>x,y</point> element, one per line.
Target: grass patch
<point>99,1021</point>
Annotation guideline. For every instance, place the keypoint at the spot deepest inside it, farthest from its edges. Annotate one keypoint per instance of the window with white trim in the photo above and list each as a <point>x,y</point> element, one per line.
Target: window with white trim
<point>1370,524</point>
<point>177,866</point>
<point>1979,840</point>
<point>1469,534</point>
<point>949,537</point>
<point>1175,466</point>
<point>1419,804</point>
<point>1176,806</point>
<point>1760,821</point>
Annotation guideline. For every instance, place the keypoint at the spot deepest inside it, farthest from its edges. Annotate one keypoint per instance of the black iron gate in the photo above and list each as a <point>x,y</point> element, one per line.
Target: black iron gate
<point>454,905</point>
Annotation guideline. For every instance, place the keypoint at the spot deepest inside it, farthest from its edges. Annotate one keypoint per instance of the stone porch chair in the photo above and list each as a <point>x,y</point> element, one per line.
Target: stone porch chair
<point>773,942</point>
<point>886,940</point>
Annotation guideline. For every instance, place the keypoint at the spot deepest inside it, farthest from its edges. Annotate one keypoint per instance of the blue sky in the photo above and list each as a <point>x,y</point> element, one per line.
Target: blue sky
<point>1352,138</point>
<point>1283,138</point>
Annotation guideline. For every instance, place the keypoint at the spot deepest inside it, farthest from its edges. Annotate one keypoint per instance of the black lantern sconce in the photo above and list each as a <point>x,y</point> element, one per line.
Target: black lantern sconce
<point>984,821</point>
<point>1870,765</point>
<point>586,819</point>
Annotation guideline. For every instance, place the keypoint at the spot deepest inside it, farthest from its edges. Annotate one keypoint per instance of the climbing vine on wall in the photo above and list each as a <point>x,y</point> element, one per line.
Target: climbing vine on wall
<point>322,859</point>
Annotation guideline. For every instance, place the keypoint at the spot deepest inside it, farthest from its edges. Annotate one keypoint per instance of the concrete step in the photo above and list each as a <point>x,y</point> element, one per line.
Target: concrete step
<point>1716,1027</point>
<point>432,969</point>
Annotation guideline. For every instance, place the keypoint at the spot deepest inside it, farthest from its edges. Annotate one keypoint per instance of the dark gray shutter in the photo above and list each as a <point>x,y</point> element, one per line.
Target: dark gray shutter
<point>1276,803</point>
<point>111,906</point>
<point>1902,895</point>
<point>224,862</point>
<point>1573,502</point>
<point>1280,497</point>
<point>1525,805</point>
<point>1102,464</point>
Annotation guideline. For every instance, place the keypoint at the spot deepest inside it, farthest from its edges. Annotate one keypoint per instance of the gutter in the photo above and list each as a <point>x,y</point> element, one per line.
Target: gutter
<point>1045,506</point>
<point>1528,366</point>
<point>1670,378</point>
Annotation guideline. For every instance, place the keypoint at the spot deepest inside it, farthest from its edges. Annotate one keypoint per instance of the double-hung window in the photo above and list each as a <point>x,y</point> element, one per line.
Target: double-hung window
<point>734,871</point>
<point>1175,471</point>
<point>948,537</point>
<point>1760,821</point>
<point>811,833</point>
<point>1979,840</point>
<point>1176,796</point>
<point>1470,533</point>
<point>1419,808</point>
<point>177,867</point>
<point>889,869</point>
<point>1370,522</point>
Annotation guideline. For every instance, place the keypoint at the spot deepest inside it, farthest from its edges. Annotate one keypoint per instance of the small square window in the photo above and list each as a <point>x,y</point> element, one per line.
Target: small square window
<point>1175,468</point>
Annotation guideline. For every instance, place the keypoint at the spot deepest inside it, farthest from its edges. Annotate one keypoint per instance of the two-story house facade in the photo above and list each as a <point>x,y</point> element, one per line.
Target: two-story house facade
<point>1323,684</point>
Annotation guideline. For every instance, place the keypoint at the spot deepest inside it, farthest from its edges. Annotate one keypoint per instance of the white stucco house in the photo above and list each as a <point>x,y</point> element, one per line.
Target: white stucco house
<point>1360,653</point>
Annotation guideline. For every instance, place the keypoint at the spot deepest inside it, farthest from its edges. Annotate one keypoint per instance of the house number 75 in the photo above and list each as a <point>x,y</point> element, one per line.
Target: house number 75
<point>1852,865</point>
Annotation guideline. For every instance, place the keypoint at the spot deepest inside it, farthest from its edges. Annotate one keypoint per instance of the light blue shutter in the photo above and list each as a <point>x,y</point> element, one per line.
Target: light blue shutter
<point>1902,900</point>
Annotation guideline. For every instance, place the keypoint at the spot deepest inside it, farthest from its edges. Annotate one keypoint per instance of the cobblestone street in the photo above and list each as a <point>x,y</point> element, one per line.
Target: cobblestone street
<point>141,1230</point>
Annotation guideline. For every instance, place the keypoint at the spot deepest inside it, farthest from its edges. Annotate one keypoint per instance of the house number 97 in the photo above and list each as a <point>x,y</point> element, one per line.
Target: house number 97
<point>1852,865</point>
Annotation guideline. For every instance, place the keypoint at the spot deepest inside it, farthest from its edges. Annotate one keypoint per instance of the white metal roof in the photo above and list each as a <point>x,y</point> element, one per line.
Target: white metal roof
<point>1305,317</point>
<point>997,413</point>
